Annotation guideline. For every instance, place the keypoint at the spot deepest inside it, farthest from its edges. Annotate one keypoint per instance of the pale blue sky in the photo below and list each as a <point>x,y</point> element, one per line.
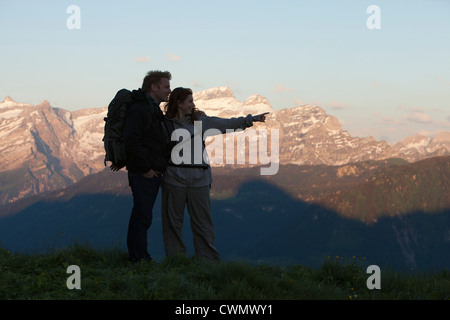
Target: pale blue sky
<point>388,83</point>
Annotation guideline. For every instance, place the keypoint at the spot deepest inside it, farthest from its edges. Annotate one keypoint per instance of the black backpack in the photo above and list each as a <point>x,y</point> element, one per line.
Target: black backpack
<point>114,124</point>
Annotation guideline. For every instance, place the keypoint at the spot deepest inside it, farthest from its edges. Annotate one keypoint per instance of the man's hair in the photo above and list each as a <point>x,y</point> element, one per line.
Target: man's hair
<point>153,77</point>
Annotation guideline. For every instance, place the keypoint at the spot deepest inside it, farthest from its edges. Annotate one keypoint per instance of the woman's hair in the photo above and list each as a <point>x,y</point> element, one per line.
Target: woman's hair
<point>178,95</point>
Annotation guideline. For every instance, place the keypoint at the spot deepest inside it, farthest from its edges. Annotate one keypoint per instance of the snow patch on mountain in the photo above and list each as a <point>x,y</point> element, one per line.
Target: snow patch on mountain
<point>221,102</point>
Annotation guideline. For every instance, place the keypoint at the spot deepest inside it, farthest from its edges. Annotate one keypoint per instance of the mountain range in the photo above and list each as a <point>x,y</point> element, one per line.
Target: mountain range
<point>43,148</point>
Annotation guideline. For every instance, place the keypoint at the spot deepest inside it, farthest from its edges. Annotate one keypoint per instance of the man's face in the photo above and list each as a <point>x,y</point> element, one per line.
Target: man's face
<point>161,91</point>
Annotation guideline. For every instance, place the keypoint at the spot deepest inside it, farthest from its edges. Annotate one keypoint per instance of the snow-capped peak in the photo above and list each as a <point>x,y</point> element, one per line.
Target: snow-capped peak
<point>417,142</point>
<point>8,99</point>
<point>214,93</point>
<point>9,102</point>
<point>221,102</point>
<point>256,99</point>
<point>441,137</point>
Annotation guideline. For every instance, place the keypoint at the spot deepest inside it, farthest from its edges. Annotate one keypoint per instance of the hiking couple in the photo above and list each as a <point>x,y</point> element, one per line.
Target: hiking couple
<point>150,167</point>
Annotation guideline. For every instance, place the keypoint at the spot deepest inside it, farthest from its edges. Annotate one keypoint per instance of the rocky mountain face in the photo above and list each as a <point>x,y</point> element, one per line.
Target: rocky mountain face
<point>308,135</point>
<point>43,148</point>
<point>418,147</point>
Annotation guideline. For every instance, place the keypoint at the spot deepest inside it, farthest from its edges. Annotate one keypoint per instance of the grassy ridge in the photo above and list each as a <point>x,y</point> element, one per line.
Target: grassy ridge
<point>107,274</point>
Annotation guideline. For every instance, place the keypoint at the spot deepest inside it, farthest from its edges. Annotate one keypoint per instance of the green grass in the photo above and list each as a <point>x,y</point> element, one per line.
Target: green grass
<point>107,274</point>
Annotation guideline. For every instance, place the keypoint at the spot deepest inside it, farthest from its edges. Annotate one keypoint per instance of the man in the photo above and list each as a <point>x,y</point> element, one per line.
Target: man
<point>146,158</point>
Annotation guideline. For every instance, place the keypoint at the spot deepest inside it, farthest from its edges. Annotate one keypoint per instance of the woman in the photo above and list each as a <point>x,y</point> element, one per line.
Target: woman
<point>190,184</point>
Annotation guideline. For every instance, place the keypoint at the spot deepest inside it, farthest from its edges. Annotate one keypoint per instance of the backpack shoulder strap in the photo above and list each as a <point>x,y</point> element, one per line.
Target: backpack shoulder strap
<point>168,128</point>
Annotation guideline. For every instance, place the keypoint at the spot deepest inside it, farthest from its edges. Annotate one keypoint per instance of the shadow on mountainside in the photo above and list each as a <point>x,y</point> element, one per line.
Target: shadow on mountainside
<point>260,224</point>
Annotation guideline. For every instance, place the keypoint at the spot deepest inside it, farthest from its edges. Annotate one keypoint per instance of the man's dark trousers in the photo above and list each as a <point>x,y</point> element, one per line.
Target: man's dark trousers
<point>145,191</point>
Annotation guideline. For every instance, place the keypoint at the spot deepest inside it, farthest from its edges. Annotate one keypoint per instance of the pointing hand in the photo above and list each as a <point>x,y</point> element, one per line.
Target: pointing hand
<point>261,117</point>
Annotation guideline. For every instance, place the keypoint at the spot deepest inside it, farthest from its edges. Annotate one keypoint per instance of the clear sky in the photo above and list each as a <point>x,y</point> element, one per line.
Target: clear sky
<point>384,73</point>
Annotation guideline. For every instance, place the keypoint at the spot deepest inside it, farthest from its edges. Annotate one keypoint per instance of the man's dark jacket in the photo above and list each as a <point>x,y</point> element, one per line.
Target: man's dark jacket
<point>143,136</point>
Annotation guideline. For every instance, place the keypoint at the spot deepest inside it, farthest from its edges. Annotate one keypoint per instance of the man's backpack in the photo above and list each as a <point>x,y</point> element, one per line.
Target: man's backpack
<point>113,139</point>
<point>114,124</point>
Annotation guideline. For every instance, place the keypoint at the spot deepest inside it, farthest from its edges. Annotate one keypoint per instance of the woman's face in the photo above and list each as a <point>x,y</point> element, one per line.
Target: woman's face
<point>187,105</point>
